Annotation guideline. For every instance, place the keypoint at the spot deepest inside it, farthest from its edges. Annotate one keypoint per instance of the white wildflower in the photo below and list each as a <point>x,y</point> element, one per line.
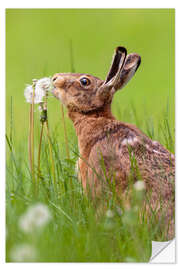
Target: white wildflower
<point>36,216</point>
<point>139,185</point>
<point>41,87</point>
<point>109,214</point>
<point>23,253</point>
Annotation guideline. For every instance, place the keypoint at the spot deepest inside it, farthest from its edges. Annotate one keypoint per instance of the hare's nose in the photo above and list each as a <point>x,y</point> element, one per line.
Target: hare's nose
<point>58,80</point>
<point>54,78</point>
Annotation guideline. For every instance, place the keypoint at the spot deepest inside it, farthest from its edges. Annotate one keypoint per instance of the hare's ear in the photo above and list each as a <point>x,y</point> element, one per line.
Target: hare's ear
<point>114,72</point>
<point>128,70</point>
<point>122,70</point>
<point>117,64</point>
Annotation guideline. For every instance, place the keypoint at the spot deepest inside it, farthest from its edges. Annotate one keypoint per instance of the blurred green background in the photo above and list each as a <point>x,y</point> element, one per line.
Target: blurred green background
<point>38,44</point>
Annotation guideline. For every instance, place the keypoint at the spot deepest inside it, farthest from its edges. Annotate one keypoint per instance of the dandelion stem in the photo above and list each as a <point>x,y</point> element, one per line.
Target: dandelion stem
<point>29,141</point>
<point>49,142</point>
<point>32,134</point>
<point>32,137</point>
<point>35,94</point>
<point>39,155</point>
<point>51,155</point>
<point>65,131</point>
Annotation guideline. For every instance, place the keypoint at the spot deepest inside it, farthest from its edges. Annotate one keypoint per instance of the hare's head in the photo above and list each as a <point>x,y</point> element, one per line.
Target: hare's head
<point>86,93</point>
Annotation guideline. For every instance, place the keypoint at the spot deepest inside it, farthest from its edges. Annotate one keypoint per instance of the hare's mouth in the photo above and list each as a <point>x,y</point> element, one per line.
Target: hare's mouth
<point>58,93</point>
<point>54,91</point>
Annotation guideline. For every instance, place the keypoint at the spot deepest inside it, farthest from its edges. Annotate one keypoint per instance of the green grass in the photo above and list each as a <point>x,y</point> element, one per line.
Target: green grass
<point>75,233</point>
<point>39,44</point>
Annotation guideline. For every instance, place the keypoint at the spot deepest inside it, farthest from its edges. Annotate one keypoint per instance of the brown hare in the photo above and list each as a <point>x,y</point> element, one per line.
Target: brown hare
<point>102,137</point>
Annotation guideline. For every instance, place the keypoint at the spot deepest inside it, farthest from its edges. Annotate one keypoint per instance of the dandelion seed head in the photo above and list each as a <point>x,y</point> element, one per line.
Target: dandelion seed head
<point>36,216</point>
<point>42,86</point>
<point>38,94</point>
<point>28,92</point>
<point>23,253</point>
<point>109,214</point>
<point>45,84</point>
<point>139,185</point>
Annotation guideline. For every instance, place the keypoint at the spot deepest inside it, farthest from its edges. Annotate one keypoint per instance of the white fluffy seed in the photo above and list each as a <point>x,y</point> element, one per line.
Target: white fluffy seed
<point>23,253</point>
<point>109,214</point>
<point>139,185</point>
<point>36,216</point>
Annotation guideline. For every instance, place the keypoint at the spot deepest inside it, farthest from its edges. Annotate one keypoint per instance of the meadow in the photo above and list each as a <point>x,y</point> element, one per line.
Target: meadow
<point>39,43</point>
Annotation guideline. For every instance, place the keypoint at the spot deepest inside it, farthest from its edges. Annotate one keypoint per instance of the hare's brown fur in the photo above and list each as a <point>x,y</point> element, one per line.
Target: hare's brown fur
<point>102,138</point>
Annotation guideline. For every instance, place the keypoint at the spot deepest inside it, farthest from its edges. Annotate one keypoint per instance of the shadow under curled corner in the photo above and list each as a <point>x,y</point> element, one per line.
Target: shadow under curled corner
<point>163,252</point>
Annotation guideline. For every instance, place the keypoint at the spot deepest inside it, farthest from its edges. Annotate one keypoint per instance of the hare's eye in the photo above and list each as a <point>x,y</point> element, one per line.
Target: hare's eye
<point>84,81</point>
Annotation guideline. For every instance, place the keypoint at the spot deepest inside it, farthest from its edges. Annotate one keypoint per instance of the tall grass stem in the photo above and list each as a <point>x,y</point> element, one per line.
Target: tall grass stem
<point>65,131</point>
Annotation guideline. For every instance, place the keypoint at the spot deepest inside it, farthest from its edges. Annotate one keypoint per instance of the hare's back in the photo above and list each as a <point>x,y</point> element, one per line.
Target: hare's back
<point>124,148</point>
